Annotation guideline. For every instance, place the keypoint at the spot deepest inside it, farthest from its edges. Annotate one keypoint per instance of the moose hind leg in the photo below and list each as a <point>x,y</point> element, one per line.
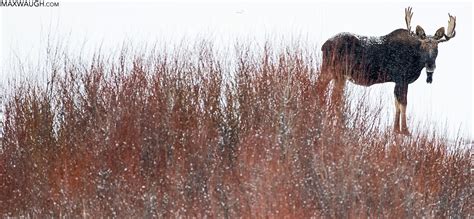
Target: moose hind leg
<point>337,100</point>
<point>325,77</point>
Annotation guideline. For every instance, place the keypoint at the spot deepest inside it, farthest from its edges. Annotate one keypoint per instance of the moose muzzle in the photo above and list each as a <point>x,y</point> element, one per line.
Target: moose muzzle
<point>430,68</point>
<point>429,77</point>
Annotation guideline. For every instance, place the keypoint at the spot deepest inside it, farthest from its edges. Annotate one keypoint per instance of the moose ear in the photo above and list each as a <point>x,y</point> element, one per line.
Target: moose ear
<point>420,32</point>
<point>439,33</point>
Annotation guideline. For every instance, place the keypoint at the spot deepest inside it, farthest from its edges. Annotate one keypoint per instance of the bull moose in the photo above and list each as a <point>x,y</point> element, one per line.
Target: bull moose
<point>397,57</point>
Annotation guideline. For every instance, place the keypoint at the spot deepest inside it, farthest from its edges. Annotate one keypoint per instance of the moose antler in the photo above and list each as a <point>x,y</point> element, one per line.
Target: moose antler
<point>451,29</point>
<point>408,15</point>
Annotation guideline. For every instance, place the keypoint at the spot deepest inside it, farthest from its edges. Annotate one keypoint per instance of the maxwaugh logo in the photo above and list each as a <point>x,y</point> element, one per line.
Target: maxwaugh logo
<point>28,3</point>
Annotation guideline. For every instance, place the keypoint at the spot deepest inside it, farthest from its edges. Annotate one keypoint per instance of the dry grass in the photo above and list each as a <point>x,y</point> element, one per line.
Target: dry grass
<point>188,133</point>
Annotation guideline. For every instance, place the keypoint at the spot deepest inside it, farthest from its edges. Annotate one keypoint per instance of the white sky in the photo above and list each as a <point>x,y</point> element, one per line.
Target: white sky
<point>448,100</point>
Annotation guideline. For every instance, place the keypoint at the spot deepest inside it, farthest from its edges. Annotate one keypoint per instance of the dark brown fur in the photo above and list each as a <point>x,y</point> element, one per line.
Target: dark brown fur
<point>397,57</point>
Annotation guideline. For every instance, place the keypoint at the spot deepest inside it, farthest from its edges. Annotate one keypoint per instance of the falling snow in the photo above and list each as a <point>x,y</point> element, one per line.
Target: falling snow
<point>166,135</point>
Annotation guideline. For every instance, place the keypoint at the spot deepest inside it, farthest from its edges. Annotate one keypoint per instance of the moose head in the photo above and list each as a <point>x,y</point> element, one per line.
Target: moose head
<point>429,44</point>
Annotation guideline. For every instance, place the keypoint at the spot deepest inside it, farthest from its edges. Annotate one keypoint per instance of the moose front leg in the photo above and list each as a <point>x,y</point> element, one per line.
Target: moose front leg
<point>400,123</point>
<point>396,122</point>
